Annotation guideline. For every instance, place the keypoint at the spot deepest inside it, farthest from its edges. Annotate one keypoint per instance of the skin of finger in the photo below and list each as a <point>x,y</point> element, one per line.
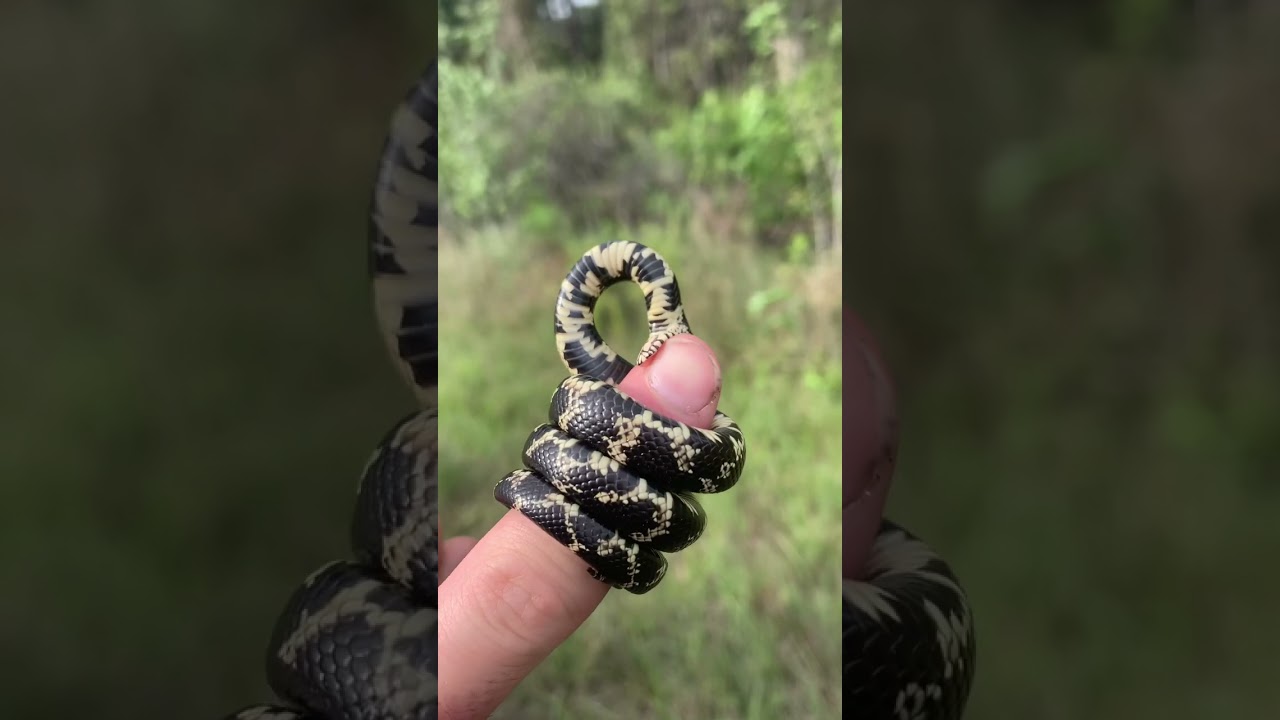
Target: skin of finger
<point>870,443</point>
<point>695,364</point>
<point>517,594</point>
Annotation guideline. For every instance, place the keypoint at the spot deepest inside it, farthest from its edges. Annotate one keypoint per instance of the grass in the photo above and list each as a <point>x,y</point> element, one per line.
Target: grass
<point>746,624</point>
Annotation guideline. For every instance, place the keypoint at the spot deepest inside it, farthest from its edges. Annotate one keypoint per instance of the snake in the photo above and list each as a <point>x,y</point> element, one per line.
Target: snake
<point>358,639</point>
<point>610,480</point>
<point>908,633</point>
<point>615,483</point>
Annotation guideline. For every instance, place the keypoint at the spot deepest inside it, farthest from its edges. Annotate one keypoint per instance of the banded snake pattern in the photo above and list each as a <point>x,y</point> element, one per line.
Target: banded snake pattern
<point>909,646</point>
<point>609,479</point>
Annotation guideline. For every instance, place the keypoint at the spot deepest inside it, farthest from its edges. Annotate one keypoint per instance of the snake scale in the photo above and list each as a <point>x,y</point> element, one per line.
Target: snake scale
<point>610,480</point>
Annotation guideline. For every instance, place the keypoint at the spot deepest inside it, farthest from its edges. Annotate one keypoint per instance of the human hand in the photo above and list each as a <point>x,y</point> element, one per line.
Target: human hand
<point>509,599</point>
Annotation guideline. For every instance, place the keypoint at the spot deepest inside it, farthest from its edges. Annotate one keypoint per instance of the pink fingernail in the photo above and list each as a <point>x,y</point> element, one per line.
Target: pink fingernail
<point>685,374</point>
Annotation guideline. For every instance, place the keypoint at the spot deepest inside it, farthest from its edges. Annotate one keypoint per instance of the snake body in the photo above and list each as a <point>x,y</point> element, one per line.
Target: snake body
<point>908,634</point>
<point>608,478</point>
<point>611,480</point>
<point>358,640</point>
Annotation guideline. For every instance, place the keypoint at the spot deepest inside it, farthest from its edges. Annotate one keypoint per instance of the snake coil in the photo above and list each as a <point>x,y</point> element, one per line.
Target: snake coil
<point>606,477</point>
<point>358,640</point>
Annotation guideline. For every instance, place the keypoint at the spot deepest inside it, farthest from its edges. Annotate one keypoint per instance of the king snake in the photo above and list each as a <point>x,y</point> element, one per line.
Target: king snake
<point>610,480</point>
<point>908,634</point>
<point>613,482</point>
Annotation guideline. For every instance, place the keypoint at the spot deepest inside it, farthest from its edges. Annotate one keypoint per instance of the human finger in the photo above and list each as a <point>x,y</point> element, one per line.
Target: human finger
<point>518,593</point>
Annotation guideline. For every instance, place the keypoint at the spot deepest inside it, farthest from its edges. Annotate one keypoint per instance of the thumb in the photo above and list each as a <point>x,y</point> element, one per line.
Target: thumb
<point>680,381</point>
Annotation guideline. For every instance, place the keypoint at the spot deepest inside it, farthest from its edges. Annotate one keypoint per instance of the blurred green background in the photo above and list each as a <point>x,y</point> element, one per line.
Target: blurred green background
<point>1066,217</point>
<point>1063,216</point>
<point>674,125</point>
<point>191,380</point>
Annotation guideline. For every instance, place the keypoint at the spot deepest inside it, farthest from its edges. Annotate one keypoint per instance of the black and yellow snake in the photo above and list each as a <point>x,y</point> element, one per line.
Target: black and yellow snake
<point>908,634</point>
<point>609,479</point>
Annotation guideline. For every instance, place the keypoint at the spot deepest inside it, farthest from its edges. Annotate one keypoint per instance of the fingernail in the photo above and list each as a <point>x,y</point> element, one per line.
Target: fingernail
<point>685,374</point>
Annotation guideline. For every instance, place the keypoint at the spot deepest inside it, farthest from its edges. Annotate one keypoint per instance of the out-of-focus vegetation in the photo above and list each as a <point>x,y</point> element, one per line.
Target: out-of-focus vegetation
<point>1065,221</point>
<point>710,132</point>
<point>191,377</point>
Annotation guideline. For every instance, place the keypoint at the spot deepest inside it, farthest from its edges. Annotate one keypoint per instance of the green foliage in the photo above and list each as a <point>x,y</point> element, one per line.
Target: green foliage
<point>476,190</point>
<point>465,33</point>
<point>764,23</point>
<point>743,137</point>
<point>608,149</point>
<point>549,139</point>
